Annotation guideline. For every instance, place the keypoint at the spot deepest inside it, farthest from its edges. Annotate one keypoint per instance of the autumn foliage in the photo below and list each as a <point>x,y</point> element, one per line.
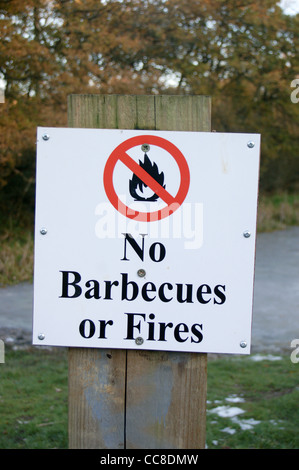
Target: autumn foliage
<point>242,53</point>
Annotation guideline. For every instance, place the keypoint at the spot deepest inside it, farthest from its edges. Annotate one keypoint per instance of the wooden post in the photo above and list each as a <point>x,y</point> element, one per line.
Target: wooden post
<point>137,399</point>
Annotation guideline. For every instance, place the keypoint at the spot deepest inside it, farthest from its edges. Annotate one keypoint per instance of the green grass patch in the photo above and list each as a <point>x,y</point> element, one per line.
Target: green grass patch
<point>253,405</point>
<point>277,212</point>
<point>33,399</point>
<point>16,250</point>
<point>16,259</point>
<point>34,396</point>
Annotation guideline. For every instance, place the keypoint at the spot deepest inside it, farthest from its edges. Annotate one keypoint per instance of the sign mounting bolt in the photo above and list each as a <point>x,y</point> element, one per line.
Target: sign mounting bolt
<point>246,234</point>
<point>145,148</point>
<point>141,272</point>
<point>139,341</point>
<point>243,344</point>
<point>250,144</point>
<point>43,231</point>
<point>41,336</point>
<point>46,137</point>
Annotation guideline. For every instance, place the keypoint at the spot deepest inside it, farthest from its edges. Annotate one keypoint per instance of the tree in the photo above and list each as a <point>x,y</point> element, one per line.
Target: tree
<point>244,55</point>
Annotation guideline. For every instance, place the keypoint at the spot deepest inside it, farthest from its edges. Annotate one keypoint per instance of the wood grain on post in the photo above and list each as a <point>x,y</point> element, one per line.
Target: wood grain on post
<point>137,399</point>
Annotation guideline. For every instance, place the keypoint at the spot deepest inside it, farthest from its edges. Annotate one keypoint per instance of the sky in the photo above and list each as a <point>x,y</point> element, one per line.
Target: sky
<point>291,6</point>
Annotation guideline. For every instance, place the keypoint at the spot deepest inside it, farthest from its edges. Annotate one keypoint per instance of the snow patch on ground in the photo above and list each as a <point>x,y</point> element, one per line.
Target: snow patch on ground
<point>246,424</point>
<point>268,357</point>
<point>234,412</point>
<point>235,399</point>
<point>226,411</point>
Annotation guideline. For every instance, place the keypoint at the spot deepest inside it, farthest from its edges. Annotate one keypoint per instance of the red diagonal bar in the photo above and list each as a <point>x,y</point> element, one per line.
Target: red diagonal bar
<point>146,178</point>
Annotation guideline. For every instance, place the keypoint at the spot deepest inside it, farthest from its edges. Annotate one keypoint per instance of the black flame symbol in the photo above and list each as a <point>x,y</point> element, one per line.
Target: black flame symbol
<point>136,182</point>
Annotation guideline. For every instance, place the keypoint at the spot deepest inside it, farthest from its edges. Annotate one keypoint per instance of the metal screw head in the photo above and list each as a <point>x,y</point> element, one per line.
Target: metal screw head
<point>43,231</point>
<point>243,344</point>
<point>250,144</point>
<point>41,336</point>
<point>139,341</point>
<point>141,272</point>
<point>145,147</point>
<point>46,137</point>
<point>246,234</point>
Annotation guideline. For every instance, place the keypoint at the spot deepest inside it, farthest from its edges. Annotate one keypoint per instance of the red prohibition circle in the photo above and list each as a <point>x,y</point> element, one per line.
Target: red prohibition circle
<point>120,154</point>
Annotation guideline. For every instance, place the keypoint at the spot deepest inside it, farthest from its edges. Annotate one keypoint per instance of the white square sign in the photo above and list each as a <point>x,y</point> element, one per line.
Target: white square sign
<point>145,239</point>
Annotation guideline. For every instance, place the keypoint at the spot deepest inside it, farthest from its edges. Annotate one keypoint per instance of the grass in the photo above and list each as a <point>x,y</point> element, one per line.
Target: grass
<point>33,401</point>
<point>16,250</point>
<point>277,212</point>
<point>16,259</point>
<point>267,392</point>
